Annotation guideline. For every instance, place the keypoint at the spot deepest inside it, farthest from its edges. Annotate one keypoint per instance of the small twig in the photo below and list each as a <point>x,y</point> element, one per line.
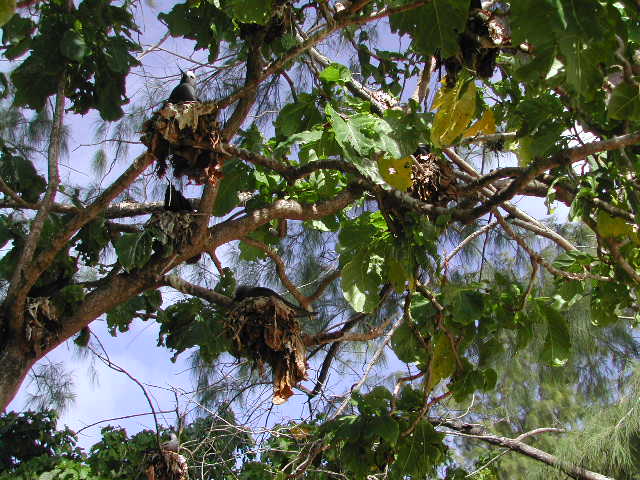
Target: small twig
<point>466,241</point>
<point>281,269</point>
<point>107,361</point>
<point>119,418</point>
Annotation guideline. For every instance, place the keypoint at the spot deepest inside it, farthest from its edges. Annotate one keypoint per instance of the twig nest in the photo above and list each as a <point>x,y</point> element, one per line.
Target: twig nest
<point>265,330</point>
<point>433,180</point>
<point>173,229</point>
<point>42,324</point>
<point>166,465</point>
<point>187,135</point>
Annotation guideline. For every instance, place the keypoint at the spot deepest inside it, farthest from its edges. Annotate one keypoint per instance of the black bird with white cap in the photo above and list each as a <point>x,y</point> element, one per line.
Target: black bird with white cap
<point>186,90</point>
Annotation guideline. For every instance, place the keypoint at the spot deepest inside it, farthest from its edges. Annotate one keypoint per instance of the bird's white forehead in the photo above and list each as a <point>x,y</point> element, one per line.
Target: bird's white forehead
<point>190,74</point>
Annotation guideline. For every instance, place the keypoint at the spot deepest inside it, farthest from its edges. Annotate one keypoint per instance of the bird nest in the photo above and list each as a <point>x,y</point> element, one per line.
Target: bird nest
<point>173,229</point>
<point>265,330</point>
<point>433,180</point>
<point>186,136</point>
<point>165,465</point>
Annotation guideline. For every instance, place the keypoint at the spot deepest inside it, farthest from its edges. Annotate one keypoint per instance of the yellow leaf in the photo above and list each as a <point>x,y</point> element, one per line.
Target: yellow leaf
<point>486,125</point>
<point>443,361</point>
<point>396,171</point>
<point>300,432</point>
<point>456,107</point>
<point>610,226</point>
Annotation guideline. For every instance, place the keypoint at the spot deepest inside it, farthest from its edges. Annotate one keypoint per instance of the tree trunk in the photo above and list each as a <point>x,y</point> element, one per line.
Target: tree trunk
<point>15,363</point>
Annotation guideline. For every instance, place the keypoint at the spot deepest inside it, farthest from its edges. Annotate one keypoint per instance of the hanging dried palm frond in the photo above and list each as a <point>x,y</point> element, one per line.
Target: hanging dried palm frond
<point>186,135</point>
<point>265,330</point>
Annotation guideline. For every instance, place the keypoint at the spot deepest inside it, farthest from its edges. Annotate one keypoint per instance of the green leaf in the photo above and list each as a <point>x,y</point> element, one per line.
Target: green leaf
<point>336,73</point>
<point>349,132</point>
<point>581,67</point>
<point>407,346</point>
<point>624,103</point>
<point>190,323</point>
<point>249,11</point>
<point>384,427</point>
<point>92,239</point>
<point>420,453</point>
<point>236,178</point>
<point>466,303</point>
<point>535,21</point>
<point>360,281</point>
<point>120,317</point>
<point>21,176</point>
<point>557,345</point>
<point>297,117</point>
<point>117,55</point>
<point>410,399</point>
<point>433,27</point>
<point>134,249</point>
<point>73,46</point>
<point>375,402</point>
<point>612,227</point>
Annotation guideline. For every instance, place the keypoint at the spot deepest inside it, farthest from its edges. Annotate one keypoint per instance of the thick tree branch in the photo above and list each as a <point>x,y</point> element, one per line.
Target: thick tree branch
<point>183,286</point>
<point>83,217</point>
<point>20,280</point>
<point>565,157</point>
<point>237,228</point>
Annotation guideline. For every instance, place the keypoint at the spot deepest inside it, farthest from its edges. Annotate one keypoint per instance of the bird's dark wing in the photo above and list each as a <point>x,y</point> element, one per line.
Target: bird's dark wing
<point>174,201</point>
<point>185,92</point>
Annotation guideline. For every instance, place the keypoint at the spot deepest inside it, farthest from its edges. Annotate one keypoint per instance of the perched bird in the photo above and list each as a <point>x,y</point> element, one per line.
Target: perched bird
<point>186,90</point>
<point>171,445</point>
<point>246,291</point>
<point>174,201</point>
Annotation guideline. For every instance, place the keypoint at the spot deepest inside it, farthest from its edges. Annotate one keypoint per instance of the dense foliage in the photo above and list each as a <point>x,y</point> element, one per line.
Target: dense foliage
<point>396,163</point>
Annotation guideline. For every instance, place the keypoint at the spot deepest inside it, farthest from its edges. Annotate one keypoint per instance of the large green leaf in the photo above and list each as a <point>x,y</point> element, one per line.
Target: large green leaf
<point>336,73</point>
<point>297,117</point>
<point>21,176</point>
<point>73,46</point>
<point>248,11</point>
<point>236,178</point>
<point>349,132</point>
<point>557,345</point>
<point>134,249</point>
<point>434,27</point>
<point>360,281</point>
<point>624,103</point>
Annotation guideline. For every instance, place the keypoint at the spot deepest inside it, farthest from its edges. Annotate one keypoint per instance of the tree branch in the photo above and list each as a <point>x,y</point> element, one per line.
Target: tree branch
<point>183,286</point>
<point>23,277</point>
<point>282,271</point>
<point>478,432</point>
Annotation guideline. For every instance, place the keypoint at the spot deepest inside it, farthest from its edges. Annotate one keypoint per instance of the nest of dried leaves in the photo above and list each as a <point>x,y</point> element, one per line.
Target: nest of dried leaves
<point>165,465</point>
<point>265,330</point>
<point>433,180</point>
<point>186,136</point>
<point>173,230</point>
